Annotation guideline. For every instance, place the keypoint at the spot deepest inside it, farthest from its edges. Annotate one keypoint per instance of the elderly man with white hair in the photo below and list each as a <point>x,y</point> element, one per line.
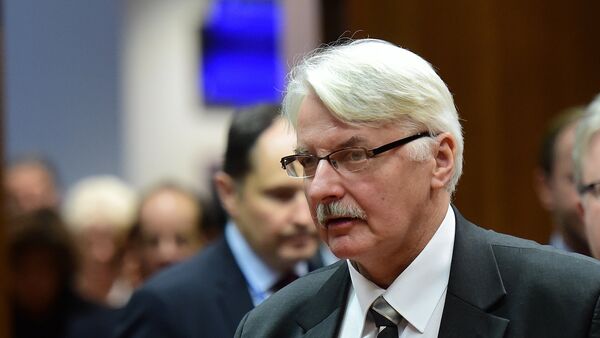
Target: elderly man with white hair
<point>379,149</point>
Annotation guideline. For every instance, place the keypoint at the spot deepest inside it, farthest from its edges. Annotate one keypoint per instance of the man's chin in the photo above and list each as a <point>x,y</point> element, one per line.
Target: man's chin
<point>297,254</point>
<point>344,249</point>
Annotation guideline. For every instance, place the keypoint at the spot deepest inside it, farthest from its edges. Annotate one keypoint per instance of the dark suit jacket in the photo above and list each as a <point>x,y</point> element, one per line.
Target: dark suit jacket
<point>205,296</point>
<point>71,317</point>
<point>499,286</point>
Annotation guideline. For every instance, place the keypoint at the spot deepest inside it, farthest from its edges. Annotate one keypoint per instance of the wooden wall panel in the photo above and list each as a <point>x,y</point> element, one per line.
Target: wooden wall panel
<point>511,66</point>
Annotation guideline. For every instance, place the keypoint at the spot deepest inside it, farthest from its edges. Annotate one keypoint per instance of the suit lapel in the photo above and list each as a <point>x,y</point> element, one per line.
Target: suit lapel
<point>321,316</point>
<point>475,285</point>
<point>461,319</point>
<point>233,294</point>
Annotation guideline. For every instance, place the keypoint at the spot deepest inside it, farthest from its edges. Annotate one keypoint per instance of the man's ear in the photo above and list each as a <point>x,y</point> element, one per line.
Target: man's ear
<point>227,191</point>
<point>444,161</point>
<point>580,211</point>
<point>544,190</point>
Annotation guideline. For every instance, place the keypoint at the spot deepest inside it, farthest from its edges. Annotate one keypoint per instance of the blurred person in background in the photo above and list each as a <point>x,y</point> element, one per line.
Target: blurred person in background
<point>31,184</point>
<point>141,256</point>
<point>42,263</point>
<point>586,157</point>
<point>556,185</point>
<point>170,227</point>
<point>269,240</point>
<point>99,212</point>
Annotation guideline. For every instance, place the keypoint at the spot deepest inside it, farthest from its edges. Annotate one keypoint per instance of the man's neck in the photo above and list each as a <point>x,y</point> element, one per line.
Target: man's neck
<point>574,242</point>
<point>384,265</point>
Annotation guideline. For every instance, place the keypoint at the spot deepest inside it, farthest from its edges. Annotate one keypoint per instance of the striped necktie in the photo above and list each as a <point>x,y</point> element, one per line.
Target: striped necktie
<point>384,315</point>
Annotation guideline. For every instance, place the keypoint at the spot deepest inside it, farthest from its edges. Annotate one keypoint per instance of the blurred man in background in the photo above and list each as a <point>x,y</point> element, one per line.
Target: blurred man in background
<point>31,184</point>
<point>269,240</point>
<point>556,185</point>
<point>586,157</point>
<point>170,227</point>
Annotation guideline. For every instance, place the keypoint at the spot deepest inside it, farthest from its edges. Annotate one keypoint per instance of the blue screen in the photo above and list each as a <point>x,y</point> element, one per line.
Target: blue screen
<point>242,54</point>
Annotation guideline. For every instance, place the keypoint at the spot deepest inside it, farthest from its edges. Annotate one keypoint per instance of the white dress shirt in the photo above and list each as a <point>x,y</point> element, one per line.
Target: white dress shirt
<point>558,241</point>
<point>259,276</point>
<point>418,294</point>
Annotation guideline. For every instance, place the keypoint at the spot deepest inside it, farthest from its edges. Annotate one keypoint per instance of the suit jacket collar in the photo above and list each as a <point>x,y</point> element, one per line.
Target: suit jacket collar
<point>322,314</point>
<point>475,285</point>
<point>231,287</point>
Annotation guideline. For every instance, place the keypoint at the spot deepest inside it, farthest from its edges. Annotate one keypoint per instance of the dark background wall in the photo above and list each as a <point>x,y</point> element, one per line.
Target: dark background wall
<point>511,66</point>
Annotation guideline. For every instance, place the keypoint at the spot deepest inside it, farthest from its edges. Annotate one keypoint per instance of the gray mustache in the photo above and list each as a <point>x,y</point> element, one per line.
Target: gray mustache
<point>337,209</point>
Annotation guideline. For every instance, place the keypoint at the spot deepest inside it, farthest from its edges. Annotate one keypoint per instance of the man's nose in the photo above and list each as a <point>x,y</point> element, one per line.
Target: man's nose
<point>301,213</point>
<point>168,250</point>
<point>325,185</point>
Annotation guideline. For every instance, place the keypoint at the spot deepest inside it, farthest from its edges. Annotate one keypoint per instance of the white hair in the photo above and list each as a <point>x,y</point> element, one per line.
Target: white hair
<point>103,201</point>
<point>587,128</point>
<point>371,81</point>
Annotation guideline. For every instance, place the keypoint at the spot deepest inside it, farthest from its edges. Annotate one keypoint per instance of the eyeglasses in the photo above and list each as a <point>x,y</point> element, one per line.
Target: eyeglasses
<point>343,160</point>
<point>593,188</point>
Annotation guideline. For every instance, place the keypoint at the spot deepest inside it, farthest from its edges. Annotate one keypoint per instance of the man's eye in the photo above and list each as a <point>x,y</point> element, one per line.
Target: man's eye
<point>282,195</point>
<point>596,190</point>
<point>150,241</point>
<point>181,240</point>
<point>307,161</point>
<point>352,155</point>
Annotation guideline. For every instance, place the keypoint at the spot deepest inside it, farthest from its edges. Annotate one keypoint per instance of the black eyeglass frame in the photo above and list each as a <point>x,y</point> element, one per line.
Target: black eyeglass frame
<point>286,160</point>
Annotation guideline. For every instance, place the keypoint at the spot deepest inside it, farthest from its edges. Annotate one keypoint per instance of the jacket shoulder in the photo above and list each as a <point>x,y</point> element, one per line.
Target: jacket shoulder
<point>189,298</point>
<point>527,256</point>
<point>197,272</point>
<point>278,315</point>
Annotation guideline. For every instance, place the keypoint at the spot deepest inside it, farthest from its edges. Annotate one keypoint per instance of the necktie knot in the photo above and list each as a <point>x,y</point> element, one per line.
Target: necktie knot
<point>384,315</point>
<point>283,281</point>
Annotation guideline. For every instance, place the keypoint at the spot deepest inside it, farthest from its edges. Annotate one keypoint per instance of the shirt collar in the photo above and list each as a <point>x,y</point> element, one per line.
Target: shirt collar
<point>417,290</point>
<point>259,276</point>
<point>558,241</point>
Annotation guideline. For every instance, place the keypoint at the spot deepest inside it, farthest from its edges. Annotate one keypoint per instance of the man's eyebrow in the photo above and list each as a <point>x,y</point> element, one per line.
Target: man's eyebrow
<point>300,150</point>
<point>351,142</point>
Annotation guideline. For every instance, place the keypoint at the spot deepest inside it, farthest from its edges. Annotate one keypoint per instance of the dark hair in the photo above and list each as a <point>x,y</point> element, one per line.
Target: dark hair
<point>246,127</point>
<point>553,130</point>
<point>42,229</point>
<point>214,217</point>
